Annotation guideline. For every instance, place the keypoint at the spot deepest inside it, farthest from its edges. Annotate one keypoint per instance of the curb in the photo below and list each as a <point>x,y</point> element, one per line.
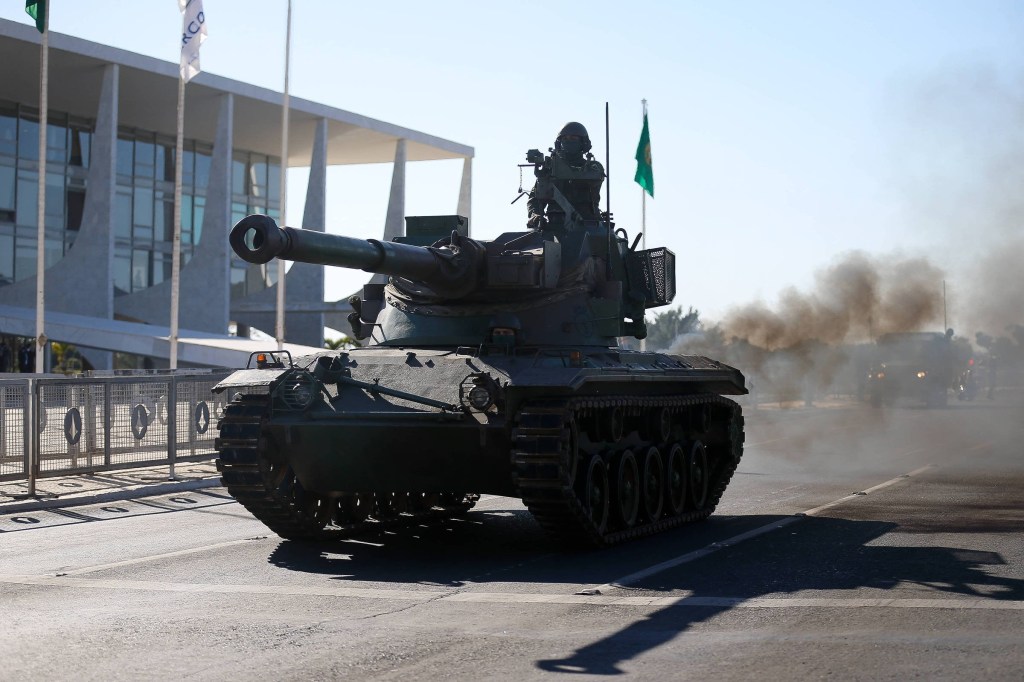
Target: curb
<point>112,496</point>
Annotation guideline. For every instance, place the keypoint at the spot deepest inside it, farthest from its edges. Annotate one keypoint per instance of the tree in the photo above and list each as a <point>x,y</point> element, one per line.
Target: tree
<point>341,343</point>
<point>665,328</point>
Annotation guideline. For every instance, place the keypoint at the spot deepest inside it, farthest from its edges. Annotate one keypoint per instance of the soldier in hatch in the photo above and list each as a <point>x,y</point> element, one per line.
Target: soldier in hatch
<point>573,171</point>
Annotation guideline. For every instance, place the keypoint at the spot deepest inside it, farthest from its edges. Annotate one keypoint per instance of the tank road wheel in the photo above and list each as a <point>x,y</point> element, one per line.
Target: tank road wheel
<point>421,502</point>
<point>354,507</point>
<point>675,482</point>
<point>385,506</point>
<point>614,425</point>
<point>627,488</point>
<point>596,499</point>
<point>660,425</point>
<point>312,511</point>
<point>699,475</point>
<point>654,484</point>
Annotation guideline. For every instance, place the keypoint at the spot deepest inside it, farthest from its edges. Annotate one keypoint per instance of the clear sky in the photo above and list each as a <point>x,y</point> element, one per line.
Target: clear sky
<point>783,133</point>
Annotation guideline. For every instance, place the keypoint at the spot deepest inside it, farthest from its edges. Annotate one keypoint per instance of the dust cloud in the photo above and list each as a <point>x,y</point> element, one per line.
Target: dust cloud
<point>958,146</point>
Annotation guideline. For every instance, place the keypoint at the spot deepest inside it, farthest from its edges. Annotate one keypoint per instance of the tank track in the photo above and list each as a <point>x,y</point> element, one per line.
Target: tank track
<point>552,486</point>
<point>269,490</point>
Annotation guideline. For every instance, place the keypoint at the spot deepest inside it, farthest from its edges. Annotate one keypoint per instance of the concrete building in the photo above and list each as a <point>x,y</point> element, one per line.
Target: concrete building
<point>110,193</point>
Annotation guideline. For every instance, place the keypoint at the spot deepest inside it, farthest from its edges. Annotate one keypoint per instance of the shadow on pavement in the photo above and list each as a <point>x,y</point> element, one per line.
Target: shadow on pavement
<point>815,554</point>
<point>820,554</point>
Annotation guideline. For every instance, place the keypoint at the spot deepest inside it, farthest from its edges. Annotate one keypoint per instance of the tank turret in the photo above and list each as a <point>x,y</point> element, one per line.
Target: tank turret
<point>583,284</point>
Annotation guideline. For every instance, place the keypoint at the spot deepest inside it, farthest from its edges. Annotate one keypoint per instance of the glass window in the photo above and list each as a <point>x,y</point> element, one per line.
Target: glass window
<point>125,156</point>
<point>238,211</point>
<point>28,199</point>
<point>54,247</point>
<point>7,184</point>
<point>78,151</point>
<point>198,211</point>
<point>144,159</point>
<point>161,267</point>
<point>274,181</point>
<point>142,213</point>
<point>186,215</point>
<point>202,177</point>
<point>28,139</point>
<point>55,200</point>
<point>163,217</point>
<point>188,159</point>
<point>140,269</point>
<point>258,176</point>
<point>8,135</point>
<point>123,215</point>
<point>165,162</point>
<point>122,272</point>
<point>76,206</point>
<point>6,259</point>
<point>239,166</point>
<point>56,142</point>
<point>24,255</point>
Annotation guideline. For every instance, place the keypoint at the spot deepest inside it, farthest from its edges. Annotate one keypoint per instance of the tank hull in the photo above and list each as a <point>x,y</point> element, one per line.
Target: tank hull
<point>554,414</point>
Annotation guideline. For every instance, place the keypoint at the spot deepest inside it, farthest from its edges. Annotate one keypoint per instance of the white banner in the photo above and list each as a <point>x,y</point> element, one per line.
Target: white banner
<point>193,33</point>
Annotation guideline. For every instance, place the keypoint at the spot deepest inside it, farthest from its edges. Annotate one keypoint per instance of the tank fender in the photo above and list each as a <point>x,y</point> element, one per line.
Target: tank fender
<point>249,377</point>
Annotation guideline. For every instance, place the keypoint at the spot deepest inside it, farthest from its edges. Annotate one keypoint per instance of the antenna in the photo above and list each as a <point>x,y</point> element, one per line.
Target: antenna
<point>608,186</point>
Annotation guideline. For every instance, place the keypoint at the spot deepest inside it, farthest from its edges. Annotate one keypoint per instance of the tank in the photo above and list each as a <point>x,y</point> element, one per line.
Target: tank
<point>487,367</point>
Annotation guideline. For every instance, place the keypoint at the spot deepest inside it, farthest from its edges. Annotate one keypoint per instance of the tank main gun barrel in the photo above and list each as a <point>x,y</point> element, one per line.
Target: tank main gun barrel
<point>258,239</point>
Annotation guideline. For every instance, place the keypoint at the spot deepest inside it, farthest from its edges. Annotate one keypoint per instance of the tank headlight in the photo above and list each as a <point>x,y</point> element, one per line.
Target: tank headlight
<point>922,375</point>
<point>880,375</point>
<point>480,398</point>
<point>297,391</point>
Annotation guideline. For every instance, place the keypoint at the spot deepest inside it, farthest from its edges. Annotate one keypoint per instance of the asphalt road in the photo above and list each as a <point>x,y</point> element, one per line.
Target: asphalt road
<point>798,575</point>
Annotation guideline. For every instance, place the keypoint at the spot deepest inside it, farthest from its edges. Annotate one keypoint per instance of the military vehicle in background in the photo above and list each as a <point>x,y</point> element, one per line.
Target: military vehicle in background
<point>490,367</point>
<point>918,366</point>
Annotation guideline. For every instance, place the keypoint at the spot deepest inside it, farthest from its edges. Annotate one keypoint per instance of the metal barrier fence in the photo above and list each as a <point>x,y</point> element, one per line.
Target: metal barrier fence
<point>55,426</point>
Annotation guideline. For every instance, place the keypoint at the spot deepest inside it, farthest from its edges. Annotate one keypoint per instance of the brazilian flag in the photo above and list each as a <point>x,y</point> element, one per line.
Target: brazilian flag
<point>37,10</point>
<point>644,170</point>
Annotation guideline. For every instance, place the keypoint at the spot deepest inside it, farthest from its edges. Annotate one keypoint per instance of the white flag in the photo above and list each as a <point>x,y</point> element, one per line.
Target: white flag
<point>193,33</point>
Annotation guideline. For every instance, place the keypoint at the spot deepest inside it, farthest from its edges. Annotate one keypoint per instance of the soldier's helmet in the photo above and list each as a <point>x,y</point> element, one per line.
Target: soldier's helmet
<point>572,139</point>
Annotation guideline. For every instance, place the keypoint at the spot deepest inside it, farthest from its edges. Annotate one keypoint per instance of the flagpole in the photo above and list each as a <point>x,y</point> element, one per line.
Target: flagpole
<point>643,220</point>
<point>279,325</point>
<point>44,83</point>
<point>193,32</point>
<point>643,200</point>
<point>179,151</point>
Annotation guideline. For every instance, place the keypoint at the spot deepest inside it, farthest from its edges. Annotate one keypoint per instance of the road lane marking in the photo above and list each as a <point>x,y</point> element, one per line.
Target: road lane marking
<point>627,580</point>
<point>156,557</point>
<point>862,493</point>
<point>679,600</point>
<point>156,586</point>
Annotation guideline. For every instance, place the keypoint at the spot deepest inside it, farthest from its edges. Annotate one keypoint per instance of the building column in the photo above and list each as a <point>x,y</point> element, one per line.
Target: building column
<point>466,193</point>
<point>304,282</point>
<point>83,281</point>
<point>205,279</point>
<point>394,223</point>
